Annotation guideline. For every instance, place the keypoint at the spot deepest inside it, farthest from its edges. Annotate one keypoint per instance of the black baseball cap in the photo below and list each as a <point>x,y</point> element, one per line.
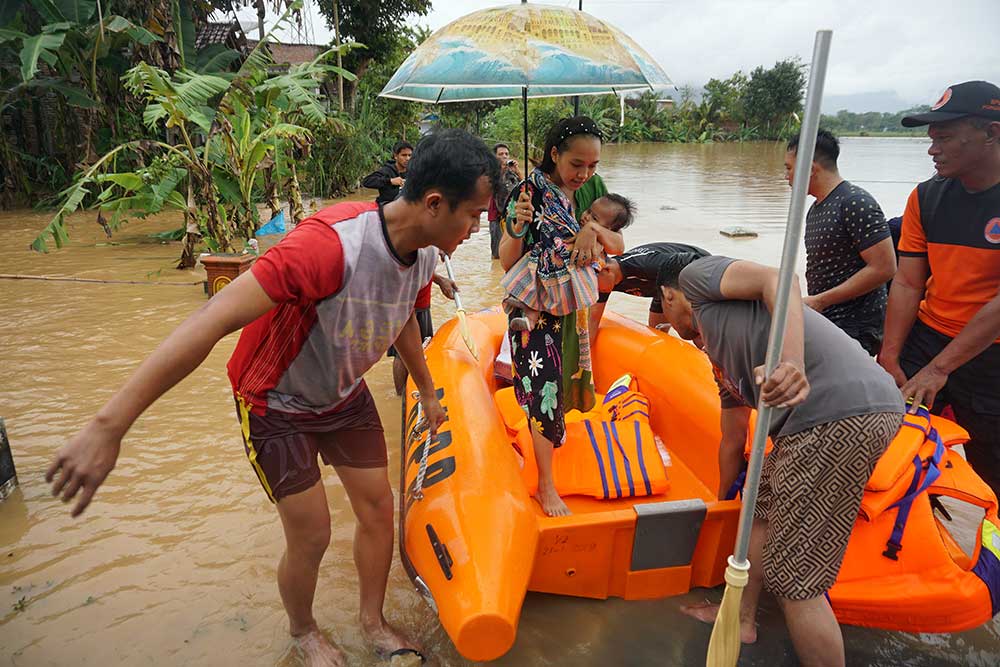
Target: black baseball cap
<point>972,98</point>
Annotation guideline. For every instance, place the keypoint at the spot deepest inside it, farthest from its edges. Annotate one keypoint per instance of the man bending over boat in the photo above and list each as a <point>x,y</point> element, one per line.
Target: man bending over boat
<point>319,309</point>
<point>634,272</point>
<point>835,413</point>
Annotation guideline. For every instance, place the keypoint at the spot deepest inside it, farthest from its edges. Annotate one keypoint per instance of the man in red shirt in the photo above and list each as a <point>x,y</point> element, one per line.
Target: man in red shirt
<point>317,311</point>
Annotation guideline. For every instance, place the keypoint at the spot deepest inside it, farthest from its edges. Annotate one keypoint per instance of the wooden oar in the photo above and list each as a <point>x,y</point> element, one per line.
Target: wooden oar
<point>463,325</point>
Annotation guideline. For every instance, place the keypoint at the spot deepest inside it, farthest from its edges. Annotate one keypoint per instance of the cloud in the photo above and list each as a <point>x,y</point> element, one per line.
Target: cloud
<point>910,48</point>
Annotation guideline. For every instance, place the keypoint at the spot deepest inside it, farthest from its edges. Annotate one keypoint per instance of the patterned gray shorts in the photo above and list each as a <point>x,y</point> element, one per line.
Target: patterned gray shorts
<point>810,492</point>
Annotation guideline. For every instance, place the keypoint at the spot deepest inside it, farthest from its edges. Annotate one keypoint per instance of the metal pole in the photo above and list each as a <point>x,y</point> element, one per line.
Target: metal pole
<point>576,98</point>
<point>524,101</point>
<point>340,62</point>
<point>793,233</point>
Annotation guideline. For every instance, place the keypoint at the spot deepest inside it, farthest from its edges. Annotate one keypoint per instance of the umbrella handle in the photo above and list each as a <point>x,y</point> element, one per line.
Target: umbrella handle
<point>507,222</point>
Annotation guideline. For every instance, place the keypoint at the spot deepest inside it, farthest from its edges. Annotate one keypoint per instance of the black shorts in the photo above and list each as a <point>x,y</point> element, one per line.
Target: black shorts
<point>870,338</point>
<point>426,328</point>
<point>971,391</point>
<point>974,385</point>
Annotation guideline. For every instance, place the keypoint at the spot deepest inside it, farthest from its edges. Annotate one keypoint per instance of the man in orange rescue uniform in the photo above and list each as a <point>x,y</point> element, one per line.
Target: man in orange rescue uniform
<point>942,329</point>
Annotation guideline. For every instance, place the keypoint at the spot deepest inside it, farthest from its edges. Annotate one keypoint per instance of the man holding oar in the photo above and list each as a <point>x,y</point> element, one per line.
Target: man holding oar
<point>835,412</point>
<point>319,309</point>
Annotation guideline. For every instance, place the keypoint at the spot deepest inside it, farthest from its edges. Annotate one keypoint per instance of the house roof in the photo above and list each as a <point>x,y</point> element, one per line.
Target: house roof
<point>217,33</point>
<point>291,54</point>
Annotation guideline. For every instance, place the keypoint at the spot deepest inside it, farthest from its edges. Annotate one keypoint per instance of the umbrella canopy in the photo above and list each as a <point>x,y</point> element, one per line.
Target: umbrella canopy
<point>505,52</point>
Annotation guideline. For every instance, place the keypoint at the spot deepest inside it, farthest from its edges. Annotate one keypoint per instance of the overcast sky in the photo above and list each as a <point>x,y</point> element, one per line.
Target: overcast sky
<point>886,54</point>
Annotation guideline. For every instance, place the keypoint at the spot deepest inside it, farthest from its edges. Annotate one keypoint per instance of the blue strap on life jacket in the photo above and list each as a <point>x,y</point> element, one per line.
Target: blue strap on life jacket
<point>621,450</point>
<point>597,455</point>
<point>628,466</point>
<point>737,486</point>
<point>611,460</point>
<point>925,473</point>
<point>642,461</point>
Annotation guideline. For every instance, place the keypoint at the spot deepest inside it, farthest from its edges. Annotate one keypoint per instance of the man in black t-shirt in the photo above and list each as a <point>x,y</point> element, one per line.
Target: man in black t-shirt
<point>849,250</point>
<point>634,272</point>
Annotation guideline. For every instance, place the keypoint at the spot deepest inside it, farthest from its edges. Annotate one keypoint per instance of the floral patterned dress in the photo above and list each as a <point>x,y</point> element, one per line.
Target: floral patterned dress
<point>551,363</point>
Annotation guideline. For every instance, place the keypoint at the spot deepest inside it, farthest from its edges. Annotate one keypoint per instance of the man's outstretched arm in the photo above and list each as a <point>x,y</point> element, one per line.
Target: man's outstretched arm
<point>85,460</point>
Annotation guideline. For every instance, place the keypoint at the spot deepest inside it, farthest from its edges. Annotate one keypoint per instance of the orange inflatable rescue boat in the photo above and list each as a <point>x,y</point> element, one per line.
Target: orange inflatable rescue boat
<point>639,473</point>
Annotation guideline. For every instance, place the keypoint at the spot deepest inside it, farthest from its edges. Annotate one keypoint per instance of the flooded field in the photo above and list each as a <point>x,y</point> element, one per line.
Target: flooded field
<point>174,563</point>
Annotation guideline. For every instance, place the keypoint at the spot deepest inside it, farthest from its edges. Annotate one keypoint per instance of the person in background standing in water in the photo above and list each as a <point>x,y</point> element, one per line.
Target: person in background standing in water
<point>510,176</point>
<point>317,311</point>
<point>942,328</point>
<point>849,251</point>
<point>391,176</point>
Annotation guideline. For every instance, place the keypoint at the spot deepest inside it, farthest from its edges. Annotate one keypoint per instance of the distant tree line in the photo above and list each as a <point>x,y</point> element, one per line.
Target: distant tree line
<point>764,105</point>
<point>872,122</point>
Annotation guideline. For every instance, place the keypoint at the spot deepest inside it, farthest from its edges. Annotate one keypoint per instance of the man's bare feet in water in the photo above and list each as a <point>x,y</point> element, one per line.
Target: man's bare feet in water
<point>706,613</point>
<point>551,503</point>
<point>387,641</point>
<point>317,651</point>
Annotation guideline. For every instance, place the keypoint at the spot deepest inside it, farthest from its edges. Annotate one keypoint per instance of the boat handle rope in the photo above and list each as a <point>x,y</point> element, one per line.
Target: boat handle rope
<point>418,484</point>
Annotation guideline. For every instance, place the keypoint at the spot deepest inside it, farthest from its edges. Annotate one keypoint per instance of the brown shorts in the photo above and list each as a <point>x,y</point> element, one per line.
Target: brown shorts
<point>282,448</point>
<point>810,493</point>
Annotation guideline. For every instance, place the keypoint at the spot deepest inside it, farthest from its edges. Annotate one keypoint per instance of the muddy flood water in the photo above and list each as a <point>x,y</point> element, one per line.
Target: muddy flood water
<point>174,562</point>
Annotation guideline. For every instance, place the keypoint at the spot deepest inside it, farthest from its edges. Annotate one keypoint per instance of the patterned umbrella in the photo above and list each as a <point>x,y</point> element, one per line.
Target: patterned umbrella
<point>524,51</point>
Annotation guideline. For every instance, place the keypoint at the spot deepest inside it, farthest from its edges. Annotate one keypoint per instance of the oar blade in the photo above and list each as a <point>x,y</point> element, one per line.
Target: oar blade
<point>724,645</point>
<point>470,342</point>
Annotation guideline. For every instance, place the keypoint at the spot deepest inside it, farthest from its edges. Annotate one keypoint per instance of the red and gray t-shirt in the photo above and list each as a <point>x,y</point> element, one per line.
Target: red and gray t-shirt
<point>343,296</point>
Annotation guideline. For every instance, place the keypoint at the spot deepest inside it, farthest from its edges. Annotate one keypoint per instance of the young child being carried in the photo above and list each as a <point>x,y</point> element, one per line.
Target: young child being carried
<point>545,280</point>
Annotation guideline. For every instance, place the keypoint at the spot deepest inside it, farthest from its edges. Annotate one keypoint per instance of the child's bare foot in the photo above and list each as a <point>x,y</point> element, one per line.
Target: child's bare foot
<point>706,613</point>
<point>317,651</point>
<point>520,324</point>
<point>551,503</point>
<point>389,642</point>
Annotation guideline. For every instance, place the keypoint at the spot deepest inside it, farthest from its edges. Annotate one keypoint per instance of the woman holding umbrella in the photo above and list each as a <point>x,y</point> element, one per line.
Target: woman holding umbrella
<point>551,361</point>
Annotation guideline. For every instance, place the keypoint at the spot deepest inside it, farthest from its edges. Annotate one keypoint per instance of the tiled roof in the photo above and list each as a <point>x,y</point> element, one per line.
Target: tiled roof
<point>291,54</point>
<point>214,33</point>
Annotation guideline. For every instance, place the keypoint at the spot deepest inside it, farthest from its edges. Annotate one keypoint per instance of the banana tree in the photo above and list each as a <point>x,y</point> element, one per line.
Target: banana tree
<point>294,97</point>
<point>239,153</point>
<point>67,48</point>
<point>229,129</point>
